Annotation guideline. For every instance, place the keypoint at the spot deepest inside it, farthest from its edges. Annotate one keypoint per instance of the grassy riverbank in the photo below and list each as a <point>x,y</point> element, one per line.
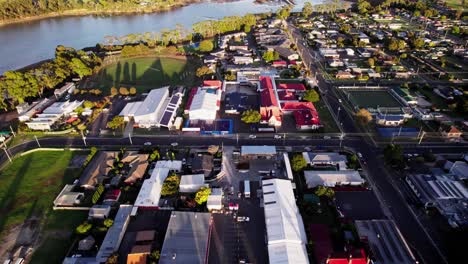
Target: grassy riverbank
<point>114,9</point>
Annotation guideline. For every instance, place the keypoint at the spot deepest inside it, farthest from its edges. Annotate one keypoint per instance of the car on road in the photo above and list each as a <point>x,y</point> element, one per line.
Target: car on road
<point>252,136</point>
<point>326,137</point>
<point>340,101</point>
<point>233,206</point>
<point>243,219</point>
<point>147,143</point>
<point>359,155</point>
<point>278,137</point>
<point>174,144</point>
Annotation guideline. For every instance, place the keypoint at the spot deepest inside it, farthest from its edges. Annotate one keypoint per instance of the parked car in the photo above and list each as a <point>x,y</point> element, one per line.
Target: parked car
<point>243,219</point>
<point>278,137</point>
<point>147,143</point>
<point>359,155</point>
<point>174,144</point>
<point>252,136</point>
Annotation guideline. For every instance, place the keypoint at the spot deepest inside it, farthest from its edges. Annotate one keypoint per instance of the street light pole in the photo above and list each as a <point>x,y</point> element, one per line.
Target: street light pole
<point>83,137</point>
<point>37,141</point>
<point>12,131</point>
<point>130,138</point>
<point>8,155</point>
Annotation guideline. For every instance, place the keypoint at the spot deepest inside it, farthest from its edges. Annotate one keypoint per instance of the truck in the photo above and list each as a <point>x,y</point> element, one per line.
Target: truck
<point>247,189</point>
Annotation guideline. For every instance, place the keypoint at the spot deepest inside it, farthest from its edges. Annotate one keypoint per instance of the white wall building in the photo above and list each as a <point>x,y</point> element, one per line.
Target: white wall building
<point>150,191</point>
<point>205,106</point>
<point>52,114</point>
<point>215,199</point>
<point>285,229</point>
<point>332,178</point>
<point>192,183</point>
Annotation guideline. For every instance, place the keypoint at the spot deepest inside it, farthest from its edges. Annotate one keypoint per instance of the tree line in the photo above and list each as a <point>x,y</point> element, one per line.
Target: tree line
<point>16,9</point>
<point>17,86</point>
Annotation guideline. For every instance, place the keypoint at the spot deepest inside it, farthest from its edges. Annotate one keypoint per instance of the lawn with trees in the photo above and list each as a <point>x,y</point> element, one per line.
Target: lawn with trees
<point>144,74</point>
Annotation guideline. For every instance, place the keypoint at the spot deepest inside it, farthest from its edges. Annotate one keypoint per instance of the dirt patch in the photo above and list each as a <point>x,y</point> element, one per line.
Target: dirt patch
<point>19,240</point>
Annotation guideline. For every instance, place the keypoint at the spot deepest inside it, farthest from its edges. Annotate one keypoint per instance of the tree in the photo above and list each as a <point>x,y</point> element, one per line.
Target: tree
<point>401,44</point>
<point>123,91</point>
<point>298,162</point>
<point>84,228</point>
<point>114,91</point>
<point>340,42</point>
<point>363,116</point>
<point>154,256</point>
<point>324,191</point>
<point>155,155</point>
<point>284,12</point>
<point>363,6</point>
<point>393,155</point>
<point>170,185</point>
<point>418,43</point>
<point>108,223</point>
<point>230,76</point>
<point>311,96</point>
<point>353,161</point>
<point>307,9</point>
<point>206,46</point>
<point>345,28</point>
<point>371,62</point>
<point>455,30</point>
<point>88,104</point>
<point>270,56</point>
<point>203,71</point>
<point>202,195</point>
<point>116,122</point>
<point>393,44</point>
<point>251,116</point>
<point>80,68</point>
<point>132,91</point>
<point>113,259</point>
<point>417,13</point>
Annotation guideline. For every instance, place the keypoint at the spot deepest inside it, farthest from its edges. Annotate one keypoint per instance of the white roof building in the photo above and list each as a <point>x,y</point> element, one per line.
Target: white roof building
<point>192,183</point>
<point>215,199</point>
<point>287,165</point>
<point>332,178</point>
<point>285,229</point>
<point>258,150</point>
<point>52,114</point>
<point>205,106</point>
<point>115,234</point>
<point>150,191</point>
<point>172,165</point>
<point>325,158</point>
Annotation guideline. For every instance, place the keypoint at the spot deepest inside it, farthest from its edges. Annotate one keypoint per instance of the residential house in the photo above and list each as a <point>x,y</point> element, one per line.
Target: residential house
<point>451,132</point>
<point>341,75</point>
<point>287,53</point>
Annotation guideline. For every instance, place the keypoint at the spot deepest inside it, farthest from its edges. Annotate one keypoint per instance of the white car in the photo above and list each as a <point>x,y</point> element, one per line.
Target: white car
<point>340,101</point>
<point>278,137</point>
<point>359,155</point>
<point>147,143</point>
<point>243,219</point>
<point>252,136</point>
<point>174,144</point>
<point>326,137</point>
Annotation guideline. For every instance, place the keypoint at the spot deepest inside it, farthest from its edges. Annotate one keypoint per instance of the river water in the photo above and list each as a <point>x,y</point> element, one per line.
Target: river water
<point>26,43</point>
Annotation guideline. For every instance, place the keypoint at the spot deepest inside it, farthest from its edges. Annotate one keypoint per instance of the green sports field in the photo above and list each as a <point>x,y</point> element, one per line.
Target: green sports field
<point>372,99</point>
<point>145,73</point>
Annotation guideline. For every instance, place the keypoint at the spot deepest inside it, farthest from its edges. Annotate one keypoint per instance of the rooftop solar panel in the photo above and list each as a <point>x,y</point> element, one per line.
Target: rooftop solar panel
<point>174,99</point>
<point>166,118</point>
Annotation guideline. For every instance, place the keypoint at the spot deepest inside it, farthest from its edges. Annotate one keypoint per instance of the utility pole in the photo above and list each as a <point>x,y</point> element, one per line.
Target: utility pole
<point>130,138</point>
<point>237,139</point>
<point>422,136</point>
<point>83,137</point>
<point>8,155</point>
<point>37,141</point>
<point>12,131</point>
<point>341,138</point>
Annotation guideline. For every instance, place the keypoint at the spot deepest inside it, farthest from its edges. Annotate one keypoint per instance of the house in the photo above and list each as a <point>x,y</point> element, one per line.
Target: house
<point>287,53</point>
<point>305,114</point>
<point>97,169</point>
<point>370,231</point>
<point>349,52</point>
<point>255,152</point>
<point>364,38</point>
<point>215,199</point>
<point>187,238</point>
<point>325,159</point>
<point>269,107</point>
<point>364,52</point>
<point>69,87</point>
<point>329,53</point>
<point>285,230</point>
<point>451,132</point>
<point>335,63</point>
<point>341,75</point>
<point>139,254</point>
<point>242,60</point>
<point>192,183</point>
<point>444,92</point>
<point>238,47</point>
<point>150,191</point>
<point>333,178</point>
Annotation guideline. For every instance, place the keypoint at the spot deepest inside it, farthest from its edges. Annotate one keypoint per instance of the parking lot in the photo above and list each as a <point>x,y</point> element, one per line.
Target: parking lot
<point>359,205</point>
<point>232,240</point>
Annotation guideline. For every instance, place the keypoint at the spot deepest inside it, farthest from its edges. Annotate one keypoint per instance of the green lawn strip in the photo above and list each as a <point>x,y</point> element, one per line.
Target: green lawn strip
<point>29,185</point>
<point>326,119</point>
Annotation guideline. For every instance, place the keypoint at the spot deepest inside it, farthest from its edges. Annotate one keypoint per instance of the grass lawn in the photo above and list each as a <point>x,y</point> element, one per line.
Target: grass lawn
<point>329,124</point>
<point>372,99</point>
<point>145,73</point>
<point>28,187</point>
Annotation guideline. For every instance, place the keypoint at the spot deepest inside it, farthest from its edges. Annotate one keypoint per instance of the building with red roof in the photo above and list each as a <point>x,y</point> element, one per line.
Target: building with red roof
<point>305,114</point>
<point>280,63</point>
<point>357,256</point>
<point>213,83</point>
<point>269,106</point>
<point>291,86</point>
<point>323,247</point>
<point>286,95</point>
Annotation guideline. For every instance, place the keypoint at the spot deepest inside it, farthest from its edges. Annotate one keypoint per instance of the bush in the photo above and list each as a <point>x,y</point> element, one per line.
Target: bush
<point>170,185</point>
<point>298,162</point>
<point>206,46</point>
<point>97,194</point>
<point>84,228</point>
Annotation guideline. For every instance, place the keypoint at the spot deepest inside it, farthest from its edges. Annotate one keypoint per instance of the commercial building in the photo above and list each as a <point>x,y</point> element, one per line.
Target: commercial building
<point>187,238</point>
<point>325,159</point>
<point>285,229</point>
<point>67,197</point>
<point>269,106</point>
<point>52,114</point>
<point>204,101</point>
<point>385,241</point>
<point>215,199</point>
<point>27,111</point>
<point>156,110</point>
<point>333,178</point>
<point>115,234</point>
<point>192,183</point>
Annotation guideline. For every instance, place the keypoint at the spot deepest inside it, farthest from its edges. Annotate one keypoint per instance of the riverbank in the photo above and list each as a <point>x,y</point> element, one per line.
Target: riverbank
<point>107,12</point>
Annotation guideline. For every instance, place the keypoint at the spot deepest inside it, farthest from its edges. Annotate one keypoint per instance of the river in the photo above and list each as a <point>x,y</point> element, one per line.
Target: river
<point>30,42</point>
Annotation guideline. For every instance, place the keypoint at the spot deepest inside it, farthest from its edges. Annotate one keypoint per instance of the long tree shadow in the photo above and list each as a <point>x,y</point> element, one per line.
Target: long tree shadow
<point>118,72</point>
<point>9,197</point>
<point>158,75</point>
<point>134,72</point>
<point>126,73</point>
